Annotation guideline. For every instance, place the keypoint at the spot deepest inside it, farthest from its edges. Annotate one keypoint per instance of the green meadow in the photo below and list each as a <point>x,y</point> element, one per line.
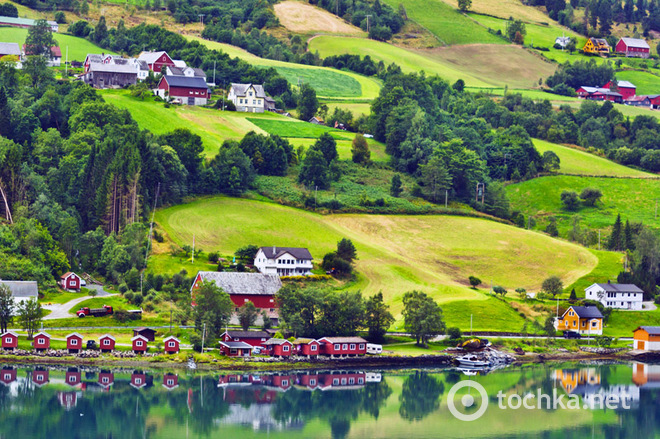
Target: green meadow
<point>78,47</point>
<point>647,83</point>
<point>300,129</point>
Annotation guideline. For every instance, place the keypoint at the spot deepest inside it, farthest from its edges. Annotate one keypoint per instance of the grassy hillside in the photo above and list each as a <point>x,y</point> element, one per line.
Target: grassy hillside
<point>446,22</point>
<point>78,47</point>
<point>506,9</point>
<point>647,83</point>
<point>574,161</point>
<point>396,253</point>
<point>301,17</point>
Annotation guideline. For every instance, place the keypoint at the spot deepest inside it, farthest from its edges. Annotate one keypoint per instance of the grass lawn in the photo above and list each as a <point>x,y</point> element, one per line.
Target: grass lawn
<point>389,247</point>
<point>78,47</point>
<point>59,296</point>
<point>163,263</point>
<point>575,161</point>
<point>291,128</point>
<point>633,198</point>
<point>647,83</point>
<point>622,323</point>
<point>302,17</point>
<point>376,148</point>
<point>116,302</point>
<point>537,95</point>
<point>506,9</point>
<point>609,266</point>
<point>445,22</point>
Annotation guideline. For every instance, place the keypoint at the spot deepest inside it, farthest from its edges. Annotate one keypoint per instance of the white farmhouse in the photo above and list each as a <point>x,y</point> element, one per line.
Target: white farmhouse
<point>249,98</point>
<point>284,261</point>
<point>621,296</point>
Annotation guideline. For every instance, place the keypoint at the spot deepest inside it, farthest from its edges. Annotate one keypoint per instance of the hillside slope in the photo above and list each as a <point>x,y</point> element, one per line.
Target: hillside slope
<point>301,17</point>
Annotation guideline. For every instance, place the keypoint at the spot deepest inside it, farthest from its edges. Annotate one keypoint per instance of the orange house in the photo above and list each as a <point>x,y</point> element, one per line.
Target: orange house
<point>647,338</point>
<point>581,319</point>
<point>572,378</point>
<point>596,46</point>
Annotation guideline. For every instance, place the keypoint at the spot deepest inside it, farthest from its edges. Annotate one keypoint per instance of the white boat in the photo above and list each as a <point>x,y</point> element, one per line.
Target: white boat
<point>472,361</point>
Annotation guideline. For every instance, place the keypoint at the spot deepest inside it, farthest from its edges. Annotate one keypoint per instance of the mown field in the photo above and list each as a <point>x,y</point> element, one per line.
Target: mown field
<point>396,253</point>
<point>505,9</point>
<point>78,47</point>
<point>292,128</point>
<point>301,17</point>
<point>575,161</point>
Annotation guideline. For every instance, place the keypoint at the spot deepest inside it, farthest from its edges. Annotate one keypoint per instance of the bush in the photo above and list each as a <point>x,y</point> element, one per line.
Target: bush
<point>570,200</point>
<point>137,299</point>
<point>196,342</point>
<point>60,18</point>
<point>149,306</point>
<point>122,316</point>
<point>603,341</point>
<point>129,295</point>
<point>454,333</point>
<point>213,257</point>
<point>123,288</point>
<point>474,281</point>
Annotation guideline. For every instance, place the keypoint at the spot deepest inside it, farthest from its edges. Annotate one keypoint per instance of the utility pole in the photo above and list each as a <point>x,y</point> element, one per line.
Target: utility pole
<point>337,8</point>
<point>446,196</point>
<point>193,250</point>
<point>201,18</point>
<point>203,337</point>
<point>214,61</point>
<point>367,22</point>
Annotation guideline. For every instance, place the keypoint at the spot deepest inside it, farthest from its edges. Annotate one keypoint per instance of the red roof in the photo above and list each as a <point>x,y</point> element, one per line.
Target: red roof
<point>55,50</point>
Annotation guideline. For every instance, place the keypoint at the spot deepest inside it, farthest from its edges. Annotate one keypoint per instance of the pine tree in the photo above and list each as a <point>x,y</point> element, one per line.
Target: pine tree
<point>395,187</point>
<point>629,240</point>
<point>573,297</point>
<point>614,242</point>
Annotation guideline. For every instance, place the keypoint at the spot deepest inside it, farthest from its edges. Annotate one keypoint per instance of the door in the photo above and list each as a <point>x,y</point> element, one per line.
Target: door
<point>191,101</point>
<point>641,345</point>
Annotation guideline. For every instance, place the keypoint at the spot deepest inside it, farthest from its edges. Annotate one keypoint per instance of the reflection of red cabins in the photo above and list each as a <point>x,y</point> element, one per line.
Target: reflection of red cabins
<point>74,343</point>
<point>308,380</point>
<point>138,380</point>
<point>7,376</point>
<point>171,345</point>
<point>170,381</point>
<point>9,340</point>
<point>41,342</point>
<point>106,379</point>
<point>278,347</point>
<point>139,344</point>
<point>107,343</point>
<point>39,377</point>
<point>148,333</point>
<point>72,377</point>
<point>343,346</point>
<point>68,400</point>
<point>341,380</point>
<point>227,380</point>
<point>235,348</point>
<point>253,338</point>
<point>282,382</point>
<point>306,346</point>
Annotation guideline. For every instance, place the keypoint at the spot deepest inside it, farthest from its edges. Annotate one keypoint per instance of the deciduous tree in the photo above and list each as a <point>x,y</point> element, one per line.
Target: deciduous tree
<point>378,317</point>
<point>29,314</point>
<point>422,316</point>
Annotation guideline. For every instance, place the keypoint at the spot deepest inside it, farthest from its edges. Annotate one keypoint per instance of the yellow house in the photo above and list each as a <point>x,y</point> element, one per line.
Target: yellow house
<point>572,378</point>
<point>597,46</point>
<point>585,320</point>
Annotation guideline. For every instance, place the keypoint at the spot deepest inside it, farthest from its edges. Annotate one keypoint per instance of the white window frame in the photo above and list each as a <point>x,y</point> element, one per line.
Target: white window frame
<point>335,381</point>
<point>344,347</point>
<point>337,347</point>
<point>138,381</point>
<point>138,343</point>
<point>170,382</point>
<point>73,378</point>
<point>105,380</point>
<point>74,342</point>
<point>9,340</point>
<point>312,382</point>
<point>361,346</point>
<point>285,383</point>
<point>352,348</point>
<point>313,347</point>
<point>106,342</point>
<point>285,348</point>
<point>7,376</point>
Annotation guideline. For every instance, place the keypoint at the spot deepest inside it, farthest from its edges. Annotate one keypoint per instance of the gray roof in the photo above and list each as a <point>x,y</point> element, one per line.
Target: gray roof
<point>276,341</point>
<point>112,68</point>
<point>344,339</point>
<point>22,288</point>
<point>652,330</point>
<point>142,64</point>
<point>22,21</point>
<point>620,288</point>
<point>185,81</point>
<point>247,334</point>
<point>244,283</point>
<point>236,344</point>
<point>241,89</point>
<point>599,41</point>
<point>589,89</point>
<point>150,57</point>
<point>636,42</point>
<point>626,84</point>
<point>587,312</point>
<point>275,252</point>
<point>10,49</point>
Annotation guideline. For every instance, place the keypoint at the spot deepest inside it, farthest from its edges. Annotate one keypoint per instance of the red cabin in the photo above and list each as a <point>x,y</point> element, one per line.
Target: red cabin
<point>309,380</point>
<point>346,380</point>
<point>171,345</point>
<point>253,338</point>
<point>41,342</point>
<point>139,344</point>
<point>306,346</point>
<point>235,348</point>
<point>70,281</point>
<point>170,381</point>
<point>283,382</point>
<point>107,343</point>
<point>633,47</point>
<point>9,340</point>
<point>40,377</point>
<point>73,377</point>
<point>343,346</point>
<point>625,88</point>
<point>278,347</point>
<point>74,343</point>
<point>138,380</point>
<point>106,379</point>
<point>7,375</point>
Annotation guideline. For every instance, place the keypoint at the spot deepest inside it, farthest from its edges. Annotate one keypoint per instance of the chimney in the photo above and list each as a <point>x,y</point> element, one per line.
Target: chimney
<point>608,281</point>
<point>274,250</point>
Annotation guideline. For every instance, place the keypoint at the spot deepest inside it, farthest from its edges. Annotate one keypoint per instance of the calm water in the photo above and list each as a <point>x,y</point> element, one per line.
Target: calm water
<point>96,403</point>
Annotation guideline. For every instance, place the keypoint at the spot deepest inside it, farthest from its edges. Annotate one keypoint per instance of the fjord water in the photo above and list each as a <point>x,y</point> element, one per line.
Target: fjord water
<point>75,402</point>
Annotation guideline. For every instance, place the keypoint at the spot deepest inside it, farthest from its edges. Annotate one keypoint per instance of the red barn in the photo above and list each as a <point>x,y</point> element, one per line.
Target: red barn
<point>74,343</point>
<point>8,375</point>
<point>156,60</point>
<point>107,343</point>
<point>39,377</point>
<point>253,338</point>
<point>625,88</point>
<point>170,381</point>
<point>41,342</point>
<point>72,377</point>
<point>655,101</point>
<point>235,348</point>
<point>306,346</point>
<point>343,346</point>
<point>106,379</point>
<point>189,90</point>
<point>138,380</point>
<point>633,47</point>
<point>278,347</point>
<point>9,340</point>
<point>139,344</point>
<point>70,281</point>
<point>260,289</point>
<point>171,345</point>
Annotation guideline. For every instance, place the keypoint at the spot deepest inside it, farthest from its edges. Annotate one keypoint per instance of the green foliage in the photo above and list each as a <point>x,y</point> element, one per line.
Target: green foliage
<point>346,250</point>
<point>40,39</point>
<point>570,200</point>
<point>213,307</point>
<point>29,316</point>
<point>522,293</point>
<point>314,170</point>
<point>551,162</point>
<point>247,315</point>
<point>122,315</point>
<point>464,5</point>
<point>499,290</point>
<point>516,30</point>
<point>553,285</point>
<point>549,327</point>
<point>454,333</point>
<point>246,253</point>
<point>360,150</point>
<point>7,307</point>
<point>308,104</point>
<point>378,318</point>
<point>603,341</point>
<point>590,196</point>
<point>573,297</point>
<point>422,316</point>
<point>474,281</point>
<point>396,186</point>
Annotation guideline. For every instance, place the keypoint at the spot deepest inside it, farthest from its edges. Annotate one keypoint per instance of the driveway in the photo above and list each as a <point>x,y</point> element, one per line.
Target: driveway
<point>61,311</point>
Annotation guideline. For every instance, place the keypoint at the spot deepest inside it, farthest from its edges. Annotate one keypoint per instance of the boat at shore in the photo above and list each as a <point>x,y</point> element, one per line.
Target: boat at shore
<point>473,361</point>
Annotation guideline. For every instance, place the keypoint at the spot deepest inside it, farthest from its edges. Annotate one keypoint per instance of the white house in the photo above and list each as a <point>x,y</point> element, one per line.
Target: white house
<point>562,41</point>
<point>621,296</point>
<point>284,261</point>
<point>249,98</point>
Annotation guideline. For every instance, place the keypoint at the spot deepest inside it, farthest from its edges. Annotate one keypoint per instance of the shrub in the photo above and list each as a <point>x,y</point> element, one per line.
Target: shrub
<point>149,306</point>
<point>474,281</point>
<point>570,200</point>
<point>213,257</point>
<point>129,295</point>
<point>137,299</point>
<point>123,288</point>
<point>196,342</point>
<point>122,316</point>
<point>454,333</point>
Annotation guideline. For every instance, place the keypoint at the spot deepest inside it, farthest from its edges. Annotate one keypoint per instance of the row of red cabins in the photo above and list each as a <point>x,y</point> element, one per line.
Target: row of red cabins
<point>242,343</point>
<point>74,342</point>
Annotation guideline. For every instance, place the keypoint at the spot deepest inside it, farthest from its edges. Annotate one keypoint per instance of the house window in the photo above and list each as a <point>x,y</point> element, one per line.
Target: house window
<point>313,347</point>
<point>170,382</point>
<point>285,348</point>
<point>594,324</point>
<point>351,381</point>
<point>312,382</point>
<point>8,377</point>
<point>8,340</point>
<point>337,347</point>
<point>105,380</point>
<point>171,344</point>
<point>343,381</point>
<point>138,343</point>
<point>352,346</point>
<point>254,102</point>
<point>74,341</point>
<point>106,341</point>
<point>344,347</point>
<point>138,380</point>
<point>72,379</point>
<point>360,380</point>
<point>250,94</point>
<point>574,323</point>
<point>285,383</point>
<point>41,341</point>
<point>335,381</point>
<point>361,345</point>
<point>232,351</point>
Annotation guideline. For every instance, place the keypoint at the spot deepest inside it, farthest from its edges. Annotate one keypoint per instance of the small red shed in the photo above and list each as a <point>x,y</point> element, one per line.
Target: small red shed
<point>171,345</point>
<point>306,346</point>
<point>74,343</point>
<point>41,342</point>
<point>72,377</point>
<point>40,377</point>
<point>9,340</point>
<point>139,344</point>
<point>107,343</point>
<point>278,347</point>
<point>70,281</point>
<point>235,348</point>
<point>138,380</point>
<point>170,381</point>
<point>106,379</point>
<point>8,375</point>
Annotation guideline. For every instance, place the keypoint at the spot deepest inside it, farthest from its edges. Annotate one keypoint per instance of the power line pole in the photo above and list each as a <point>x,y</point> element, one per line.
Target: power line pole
<point>203,337</point>
<point>201,18</point>
<point>446,196</point>
<point>367,22</point>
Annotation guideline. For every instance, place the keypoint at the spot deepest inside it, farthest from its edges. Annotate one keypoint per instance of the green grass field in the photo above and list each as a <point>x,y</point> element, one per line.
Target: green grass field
<point>609,266</point>
<point>78,47</point>
<point>290,128</point>
<point>344,147</point>
<point>574,161</point>
<point>445,22</point>
<point>647,83</point>
<point>396,253</point>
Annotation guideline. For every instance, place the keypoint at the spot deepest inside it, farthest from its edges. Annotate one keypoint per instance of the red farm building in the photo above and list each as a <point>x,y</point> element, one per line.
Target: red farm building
<point>140,344</point>
<point>625,88</point>
<point>41,342</point>
<point>107,343</point>
<point>70,281</point>
<point>278,347</point>
<point>188,90</point>
<point>171,345</point>
<point>306,346</point>
<point>39,377</point>
<point>156,60</point>
<point>9,340</point>
<point>343,346</point>
<point>235,348</point>
<point>260,289</point>
<point>253,338</point>
<point>655,101</point>
<point>74,343</point>
<point>170,381</point>
<point>633,47</point>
